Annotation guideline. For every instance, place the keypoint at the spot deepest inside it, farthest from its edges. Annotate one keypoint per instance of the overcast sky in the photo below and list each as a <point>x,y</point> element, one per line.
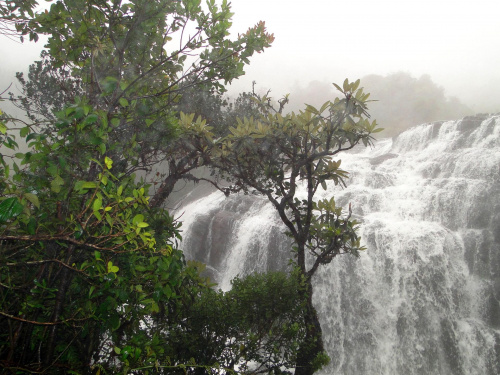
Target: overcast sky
<point>456,42</point>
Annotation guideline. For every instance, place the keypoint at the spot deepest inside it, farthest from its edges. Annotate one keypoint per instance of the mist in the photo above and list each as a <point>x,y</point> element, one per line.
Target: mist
<point>399,100</point>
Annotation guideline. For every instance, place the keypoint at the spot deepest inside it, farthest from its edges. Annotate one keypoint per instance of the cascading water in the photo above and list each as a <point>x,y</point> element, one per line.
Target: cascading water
<point>424,297</point>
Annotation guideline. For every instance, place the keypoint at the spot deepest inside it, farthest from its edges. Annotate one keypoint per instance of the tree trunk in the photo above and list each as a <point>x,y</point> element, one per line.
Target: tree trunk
<point>65,279</point>
<point>313,344</point>
<point>166,187</point>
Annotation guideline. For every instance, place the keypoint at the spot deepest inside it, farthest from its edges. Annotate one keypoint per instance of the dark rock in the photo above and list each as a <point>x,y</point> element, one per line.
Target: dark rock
<point>380,159</point>
<point>470,123</point>
<point>435,128</point>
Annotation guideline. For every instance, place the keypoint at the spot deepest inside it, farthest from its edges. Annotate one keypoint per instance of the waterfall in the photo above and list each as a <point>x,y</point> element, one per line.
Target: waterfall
<point>424,297</point>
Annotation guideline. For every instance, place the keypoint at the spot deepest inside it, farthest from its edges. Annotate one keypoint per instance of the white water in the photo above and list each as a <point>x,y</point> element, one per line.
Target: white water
<point>424,298</point>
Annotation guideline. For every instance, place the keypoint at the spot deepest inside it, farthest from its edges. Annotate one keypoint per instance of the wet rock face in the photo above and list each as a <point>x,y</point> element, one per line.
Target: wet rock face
<point>380,159</point>
<point>470,123</point>
<point>425,297</point>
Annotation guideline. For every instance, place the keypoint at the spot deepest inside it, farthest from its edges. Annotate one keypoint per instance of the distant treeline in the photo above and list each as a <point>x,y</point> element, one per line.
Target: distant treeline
<point>402,101</point>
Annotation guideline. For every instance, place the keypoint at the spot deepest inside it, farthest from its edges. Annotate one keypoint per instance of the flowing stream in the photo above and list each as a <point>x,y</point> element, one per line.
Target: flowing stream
<point>424,297</point>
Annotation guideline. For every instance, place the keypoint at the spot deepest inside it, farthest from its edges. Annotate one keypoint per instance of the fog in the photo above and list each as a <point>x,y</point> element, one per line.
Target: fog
<point>455,42</point>
<point>454,45</point>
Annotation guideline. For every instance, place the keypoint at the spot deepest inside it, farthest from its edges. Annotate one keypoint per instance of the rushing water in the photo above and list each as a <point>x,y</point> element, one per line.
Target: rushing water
<point>424,297</point>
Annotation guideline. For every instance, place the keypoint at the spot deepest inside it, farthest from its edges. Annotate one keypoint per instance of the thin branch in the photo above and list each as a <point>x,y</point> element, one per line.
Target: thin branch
<point>42,323</point>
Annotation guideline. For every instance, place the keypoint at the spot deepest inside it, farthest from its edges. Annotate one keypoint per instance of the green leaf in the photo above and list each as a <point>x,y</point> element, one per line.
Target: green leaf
<point>10,208</point>
<point>90,119</point>
<point>97,204</point>
<point>52,169</point>
<point>138,219</point>
<point>86,110</point>
<point>337,87</point>
<point>155,308</point>
<point>24,131</point>
<point>102,148</point>
<point>115,322</point>
<point>3,128</point>
<point>33,199</point>
<point>80,185</point>
<point>31,226</point>
<point>123,102</point>
<point>108,162</point>
<point>355,85</point>
<point>69,111</point>
<point>346,85</point>
<point>56,184</point>
<point>142,225</point>
<point>111,268</point>
<point>123,85</point>
<point>109,219</point>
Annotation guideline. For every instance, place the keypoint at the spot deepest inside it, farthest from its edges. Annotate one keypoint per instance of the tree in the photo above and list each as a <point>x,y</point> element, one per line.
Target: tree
<point>78,257</point>
<point>80,262</point>
<point>134,60</point>
<point>276,154</point>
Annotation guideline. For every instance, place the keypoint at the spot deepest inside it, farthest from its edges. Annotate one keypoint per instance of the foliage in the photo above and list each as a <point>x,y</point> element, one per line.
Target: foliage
<point>45,91</point>
<point>254,328</point>
<point>275,153</point>
<point>80,267</point>
<point>88,258</point>
<point>134,60</point>
<point>14,16</point>
<point>210,105</point>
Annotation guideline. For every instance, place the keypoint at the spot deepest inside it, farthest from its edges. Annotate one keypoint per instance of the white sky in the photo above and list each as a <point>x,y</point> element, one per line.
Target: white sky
<point>456,42</point>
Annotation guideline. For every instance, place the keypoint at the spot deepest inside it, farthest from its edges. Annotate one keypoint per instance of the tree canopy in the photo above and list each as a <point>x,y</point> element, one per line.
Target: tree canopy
<point>133,61</point>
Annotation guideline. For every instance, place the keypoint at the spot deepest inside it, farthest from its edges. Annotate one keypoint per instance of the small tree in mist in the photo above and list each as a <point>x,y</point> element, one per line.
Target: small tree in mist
<point>275,155</point>
<point>256,327</point>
